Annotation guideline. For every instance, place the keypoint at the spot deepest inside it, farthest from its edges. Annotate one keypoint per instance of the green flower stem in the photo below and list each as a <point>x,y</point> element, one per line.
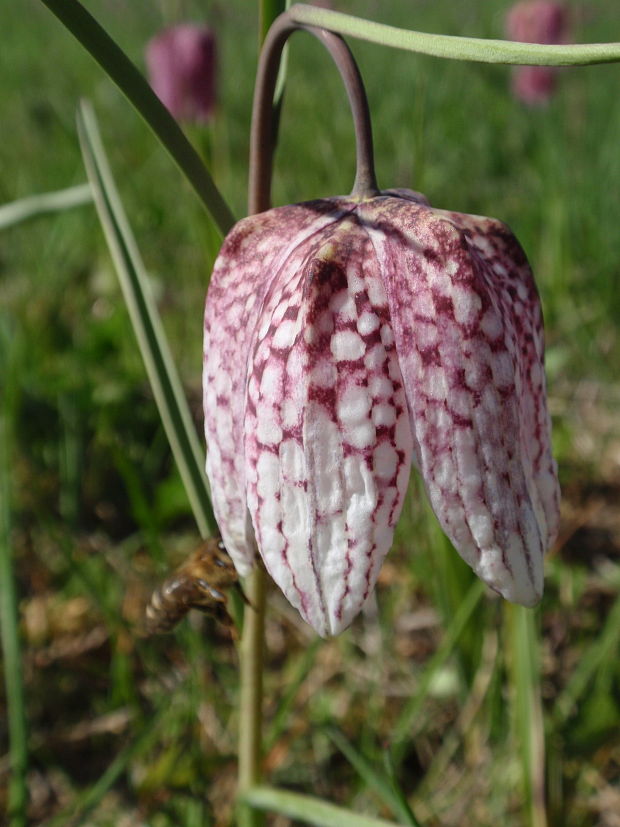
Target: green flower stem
<point>133,85</point>
<point>527,714</point>
<point>307,809</point>
<point>251,700</point>
<point>261,138</point>
<point>456,48</point>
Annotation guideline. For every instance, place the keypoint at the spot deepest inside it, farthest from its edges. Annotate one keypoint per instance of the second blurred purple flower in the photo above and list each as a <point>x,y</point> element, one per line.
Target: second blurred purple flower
<point>181,63</point>
<point>536,21</point>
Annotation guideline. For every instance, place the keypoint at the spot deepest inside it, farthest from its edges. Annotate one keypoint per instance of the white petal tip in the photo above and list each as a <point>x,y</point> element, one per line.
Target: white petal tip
<point>520,583</point>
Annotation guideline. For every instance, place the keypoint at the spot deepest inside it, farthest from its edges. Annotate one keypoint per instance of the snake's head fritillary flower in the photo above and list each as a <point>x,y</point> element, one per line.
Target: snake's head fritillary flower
<point>181,63</point>
<point>537,21</point>
<point>346,339</point>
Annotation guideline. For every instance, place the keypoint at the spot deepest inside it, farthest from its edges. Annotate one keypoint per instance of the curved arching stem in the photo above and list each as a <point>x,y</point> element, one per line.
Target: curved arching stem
<point>261,137</point>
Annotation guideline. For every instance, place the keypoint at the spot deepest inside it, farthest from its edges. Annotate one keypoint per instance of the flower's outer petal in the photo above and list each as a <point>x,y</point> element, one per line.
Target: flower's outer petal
<point>327,434</point>
<point>520,307</point>
<point>467,325</point>
<point>247,264</point>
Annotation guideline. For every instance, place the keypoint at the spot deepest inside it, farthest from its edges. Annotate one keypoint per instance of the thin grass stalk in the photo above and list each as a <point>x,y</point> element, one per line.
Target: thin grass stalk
<point>11,651</point>
<point>32,206</point>
<point>293,683</point>
<point>466,723</point>
<point>147,325</point>
<point>451,579</point>
<point>408,719</point>
<point>603,651</point>
<point>134,86</point>
<point>9,624</point>
<point>383,783</point>
<point>268,11</point>
<point>79,811</point>
<point>527,714</point>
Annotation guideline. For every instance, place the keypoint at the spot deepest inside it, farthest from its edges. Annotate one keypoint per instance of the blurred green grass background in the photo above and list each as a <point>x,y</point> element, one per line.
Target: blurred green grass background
<point>131,731</point>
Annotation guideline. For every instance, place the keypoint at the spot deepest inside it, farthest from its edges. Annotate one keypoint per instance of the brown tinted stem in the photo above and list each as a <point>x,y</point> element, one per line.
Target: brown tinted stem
<point>261,139</point>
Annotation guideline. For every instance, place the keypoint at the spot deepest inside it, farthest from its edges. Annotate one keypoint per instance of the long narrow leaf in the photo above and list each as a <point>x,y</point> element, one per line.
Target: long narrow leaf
<point>146,322</point>
<point>132,84</point>
<point>34,205</point>
<point>306,809</point>
<point>384,787</point>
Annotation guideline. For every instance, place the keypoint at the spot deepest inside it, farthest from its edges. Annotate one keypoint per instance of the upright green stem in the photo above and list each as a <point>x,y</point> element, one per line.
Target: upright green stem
<point>527,709</point>
<point>261,143</point>
<point>251,702</point>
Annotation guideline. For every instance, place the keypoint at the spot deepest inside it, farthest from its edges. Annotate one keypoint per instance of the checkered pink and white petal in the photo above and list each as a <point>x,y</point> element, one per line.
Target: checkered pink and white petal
<point>470,348</point>
<point>344,338</point>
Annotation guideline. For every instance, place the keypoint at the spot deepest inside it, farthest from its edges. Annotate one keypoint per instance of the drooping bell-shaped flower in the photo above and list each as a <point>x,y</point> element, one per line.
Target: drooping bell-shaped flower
<point>346,338</point>
<point>537,21</point>
<point>181,63</point>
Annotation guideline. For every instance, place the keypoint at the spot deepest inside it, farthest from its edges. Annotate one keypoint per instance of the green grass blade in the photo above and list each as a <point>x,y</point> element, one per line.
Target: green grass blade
<point>600,652</point>
<point>407,719</point>
<point>306,809</point>
<point>9,626</point>
<point>133,85</point>
<point>146,323</point>
<point>450,580</point>
<point>34,205</point>
<point>384,787</point>
<point>268,10</point>
<point>527,715</point>
<point>470,711</point>
<point>279,722</point>
<point>404,809</point>
<point>91,798</point>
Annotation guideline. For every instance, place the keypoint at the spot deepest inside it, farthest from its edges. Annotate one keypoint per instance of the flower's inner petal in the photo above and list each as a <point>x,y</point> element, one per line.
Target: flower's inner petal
<point>250,259</point>
<point>328,441</point>
<point>456,327</point>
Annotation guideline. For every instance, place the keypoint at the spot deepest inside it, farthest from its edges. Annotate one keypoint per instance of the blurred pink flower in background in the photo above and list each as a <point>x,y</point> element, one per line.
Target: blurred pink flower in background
<point>181,63</point>
<point>536,21</point>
